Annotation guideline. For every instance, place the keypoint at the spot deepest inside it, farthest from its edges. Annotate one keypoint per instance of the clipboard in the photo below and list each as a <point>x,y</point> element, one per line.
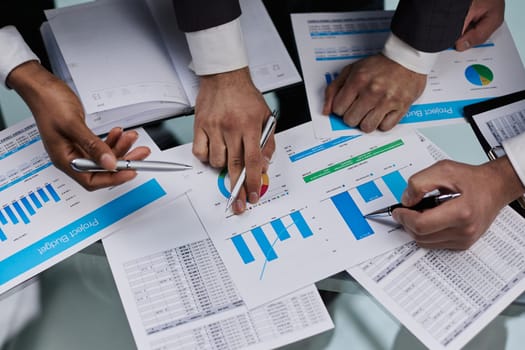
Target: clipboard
<point>494,120</point>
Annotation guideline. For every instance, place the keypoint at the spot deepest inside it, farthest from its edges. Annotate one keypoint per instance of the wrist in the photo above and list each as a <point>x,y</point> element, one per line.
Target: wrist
<point>509,183</point>
<point>28,78</point>
<point>226,79</point>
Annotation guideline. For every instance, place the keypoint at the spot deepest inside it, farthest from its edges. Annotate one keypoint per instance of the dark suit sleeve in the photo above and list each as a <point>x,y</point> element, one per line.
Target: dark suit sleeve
<point>430,25</point>
<point>193,15</point>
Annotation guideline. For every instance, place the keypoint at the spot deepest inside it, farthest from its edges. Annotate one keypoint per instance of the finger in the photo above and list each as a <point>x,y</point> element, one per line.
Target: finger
<point>345,97</point>
<point>478,32</point>
<point>430,221</point>
<point>331,91</point>
<point>217,151</point>
<point>267,153</point>
<point>391,119</point>
<point>200,145</point>
<point>371,120</point>
<point>113,136</point>
<point>437,176</point>
<point>94,147</point>
<point>253,161</point>
<point>138,153</point>
<point>357,111</point>
<point>123,143</point>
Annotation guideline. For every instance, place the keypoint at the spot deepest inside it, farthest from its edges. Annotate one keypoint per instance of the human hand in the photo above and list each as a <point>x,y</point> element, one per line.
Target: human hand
<point>230,114</point>
<point>458,223</point>
<point>483,18</point>
<point>373,93</point>
<point>60,119</point>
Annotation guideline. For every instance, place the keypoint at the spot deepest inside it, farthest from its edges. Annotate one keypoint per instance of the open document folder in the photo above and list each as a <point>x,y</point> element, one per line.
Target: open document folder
<point>129,63</point>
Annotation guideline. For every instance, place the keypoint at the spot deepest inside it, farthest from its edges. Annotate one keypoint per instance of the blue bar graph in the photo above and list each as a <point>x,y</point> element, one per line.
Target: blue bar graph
<point>27,205</point>
<point>35,200</point>
<point>270,235</point>
<point>280,230</point>
<point>52,192</point>
<point>2,236</point>
<point>3,220</point>
<point>301,224</point>
<point>11,215</point>
<point>242,249</point>
<point>395,183</point>
<point>21,212</point>
<point>43,195</point>
<point>264,244</point>
<point>352,215</point>
<point>369,191</point>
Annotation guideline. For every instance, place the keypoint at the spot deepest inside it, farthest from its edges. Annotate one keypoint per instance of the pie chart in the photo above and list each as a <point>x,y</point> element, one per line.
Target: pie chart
<point>479,74</point>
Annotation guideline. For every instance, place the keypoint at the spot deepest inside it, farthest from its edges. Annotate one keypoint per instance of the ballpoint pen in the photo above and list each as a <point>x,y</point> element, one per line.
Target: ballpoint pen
<point>426,203</point>
<point>270,123</point>
<point>87,165</point>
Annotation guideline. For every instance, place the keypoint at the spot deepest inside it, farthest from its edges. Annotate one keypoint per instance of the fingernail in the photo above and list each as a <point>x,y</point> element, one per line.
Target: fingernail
<point>466,44</point>
<point>107,161</point>
<point>253,197</point>
<point>238,206</point>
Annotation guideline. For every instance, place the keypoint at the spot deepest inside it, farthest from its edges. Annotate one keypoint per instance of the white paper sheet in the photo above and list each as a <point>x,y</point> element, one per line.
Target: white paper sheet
<point>45,216</point>
<point>178,294</point>
<point>327,42</point>
<point>309,221</point>
<point>446,297</point>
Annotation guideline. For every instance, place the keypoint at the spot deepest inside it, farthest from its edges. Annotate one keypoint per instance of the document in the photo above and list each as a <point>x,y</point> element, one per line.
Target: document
<point>178,294</point>
<point>129,63</point>
<point>327,42</point>
<point>309,221</point>
<point>446,297</point>
<point>45,216</point>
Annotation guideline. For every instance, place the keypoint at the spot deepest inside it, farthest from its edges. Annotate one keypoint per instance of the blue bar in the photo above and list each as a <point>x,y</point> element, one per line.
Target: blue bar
<point>35,200</point>
<point>242,249</point>
<point>352,215</point>
<point>264,244</point>
<point>321,147</point>
<point>3,220</point>
<point>328,78</point>
<point>21,212</point>
<point>301,224</point>
<point>79,230</point>
<point>11,215</point>
<point>2,236</point>
<point>28,206</point>
<point>52,192</point>
<point>369,191</point>
<point>43,195</point>
<point>395,183</point>
<point>280,229</point>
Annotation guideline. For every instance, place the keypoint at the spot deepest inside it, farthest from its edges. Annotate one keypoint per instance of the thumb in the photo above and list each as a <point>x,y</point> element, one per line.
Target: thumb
<point>96,148</point>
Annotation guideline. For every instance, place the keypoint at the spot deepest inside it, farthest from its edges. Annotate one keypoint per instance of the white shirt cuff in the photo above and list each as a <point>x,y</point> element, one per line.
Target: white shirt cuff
<point>515,150</point>
<point>14,52</point>
<point>217,50</point>
<point>399,51</point>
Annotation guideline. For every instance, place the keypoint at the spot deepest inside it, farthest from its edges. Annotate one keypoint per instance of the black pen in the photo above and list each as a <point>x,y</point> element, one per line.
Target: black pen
<point>426,203</point>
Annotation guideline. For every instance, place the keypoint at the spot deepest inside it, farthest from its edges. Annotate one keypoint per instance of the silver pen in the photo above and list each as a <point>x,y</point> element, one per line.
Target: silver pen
<point>87,165</point>
<point>270,123</point>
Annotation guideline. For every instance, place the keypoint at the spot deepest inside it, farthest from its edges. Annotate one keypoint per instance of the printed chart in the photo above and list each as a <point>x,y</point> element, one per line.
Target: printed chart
<point>327,42</point>
<point>46,216</point>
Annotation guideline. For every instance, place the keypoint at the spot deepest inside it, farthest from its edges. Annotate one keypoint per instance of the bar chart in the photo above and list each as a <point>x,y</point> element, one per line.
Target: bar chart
<point>266,237</point>
<point>20,211</point>
<point>369,191</point>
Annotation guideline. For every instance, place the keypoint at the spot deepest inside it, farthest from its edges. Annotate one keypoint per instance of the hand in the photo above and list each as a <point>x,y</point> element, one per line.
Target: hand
<point>483,18</point>
<point>230,114</point>
<point>458,223</point>
<point>373,93</point>
<point>60,119</point>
